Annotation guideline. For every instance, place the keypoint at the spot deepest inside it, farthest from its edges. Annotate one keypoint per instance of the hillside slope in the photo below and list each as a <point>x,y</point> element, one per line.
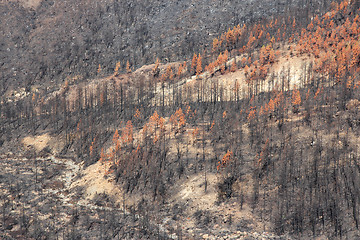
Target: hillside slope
<point>255,137</point>
<point>55,39</point>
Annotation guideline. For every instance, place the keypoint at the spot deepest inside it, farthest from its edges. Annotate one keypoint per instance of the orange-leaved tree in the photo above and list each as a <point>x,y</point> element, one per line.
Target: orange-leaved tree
<point>262,157</point>
<point>225,160</point>
<point>178,120</point>
<point>193,63</point>
<point>169,73</point>
<point>128,69</point>
<point>296,100</point>
<point>137,114</point>
<point>180,71</point>
<point>195,134</point>
<point>127,134</point>
<point>156,69</point>
<point>117,68</point>
<point>116,136</point>
<point>252,115</point>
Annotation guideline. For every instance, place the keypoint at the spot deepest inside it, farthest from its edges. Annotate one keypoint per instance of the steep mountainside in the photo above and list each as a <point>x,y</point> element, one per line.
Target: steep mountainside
<point>255,136</point>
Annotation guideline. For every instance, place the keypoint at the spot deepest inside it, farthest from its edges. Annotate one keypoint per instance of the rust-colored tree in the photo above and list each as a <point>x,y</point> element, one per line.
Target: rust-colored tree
<point>128,68</point>
<point>156,69</point>
<point>178,120</point>
<point>225,160</point>
<point>296,100</point>
<point>193,63</point>
<point>127,133</point>
<point>117,69</point>
<point>169,75</point>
